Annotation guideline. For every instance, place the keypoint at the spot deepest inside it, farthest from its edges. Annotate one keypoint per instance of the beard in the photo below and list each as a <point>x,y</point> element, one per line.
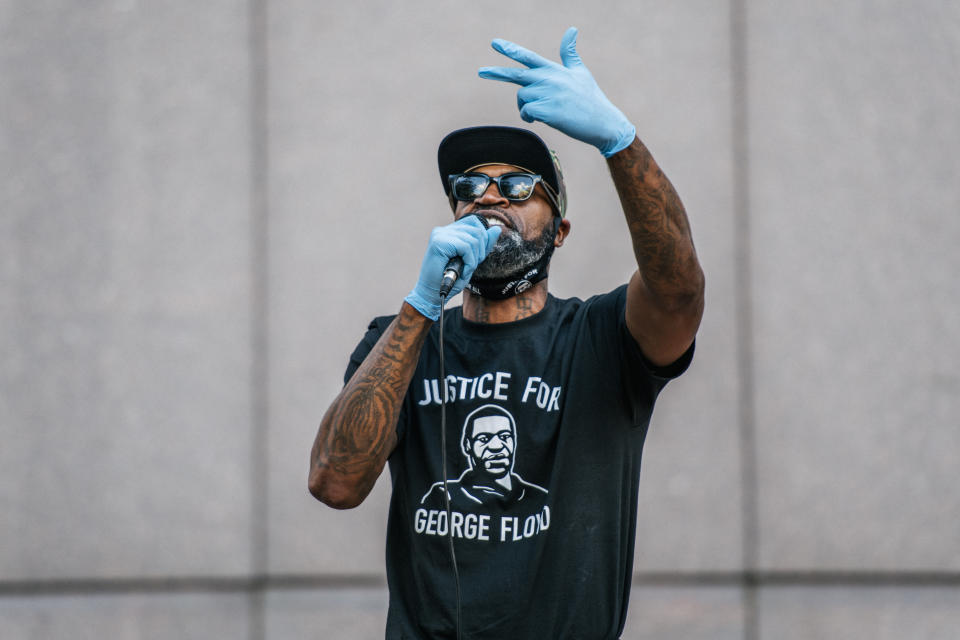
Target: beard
<point>512,254</point>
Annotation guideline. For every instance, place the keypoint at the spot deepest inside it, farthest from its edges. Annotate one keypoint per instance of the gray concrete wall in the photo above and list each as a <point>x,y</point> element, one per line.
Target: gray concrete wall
<point>185,196</point>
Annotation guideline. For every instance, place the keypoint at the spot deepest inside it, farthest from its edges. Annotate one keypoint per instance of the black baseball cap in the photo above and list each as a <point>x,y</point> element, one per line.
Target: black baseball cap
<point>467,148</point>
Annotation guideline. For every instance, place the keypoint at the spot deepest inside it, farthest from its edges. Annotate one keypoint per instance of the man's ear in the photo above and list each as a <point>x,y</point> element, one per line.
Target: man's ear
<point>563,230</point>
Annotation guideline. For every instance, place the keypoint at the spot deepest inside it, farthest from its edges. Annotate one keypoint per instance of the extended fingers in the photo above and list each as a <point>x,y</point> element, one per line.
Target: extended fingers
<point>522,77</point>
<point>506,74</point>
<point>520,54</point>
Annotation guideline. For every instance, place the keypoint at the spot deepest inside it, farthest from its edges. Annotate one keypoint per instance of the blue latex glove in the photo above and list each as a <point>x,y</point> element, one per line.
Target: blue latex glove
<point>467,238</point>
<point>566,96</point>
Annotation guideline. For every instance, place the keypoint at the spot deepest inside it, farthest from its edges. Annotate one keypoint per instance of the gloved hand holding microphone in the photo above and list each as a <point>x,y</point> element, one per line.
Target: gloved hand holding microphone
<point>564,96</point>
<point>471,240</point>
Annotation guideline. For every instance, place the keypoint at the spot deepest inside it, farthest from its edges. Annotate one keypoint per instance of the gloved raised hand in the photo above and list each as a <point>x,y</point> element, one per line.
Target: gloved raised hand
<point>566,96</point>
<point>468,238</point>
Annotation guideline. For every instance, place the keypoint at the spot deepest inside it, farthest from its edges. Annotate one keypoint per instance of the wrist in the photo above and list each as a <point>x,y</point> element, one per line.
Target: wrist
<point>426,308</point>
<point>626,133</point>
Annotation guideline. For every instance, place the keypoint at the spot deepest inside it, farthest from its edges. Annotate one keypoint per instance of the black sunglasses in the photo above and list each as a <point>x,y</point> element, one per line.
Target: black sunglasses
<point>516,187</point>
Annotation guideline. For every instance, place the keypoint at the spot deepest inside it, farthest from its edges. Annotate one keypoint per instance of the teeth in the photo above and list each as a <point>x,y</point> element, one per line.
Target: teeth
<point>493,221</point>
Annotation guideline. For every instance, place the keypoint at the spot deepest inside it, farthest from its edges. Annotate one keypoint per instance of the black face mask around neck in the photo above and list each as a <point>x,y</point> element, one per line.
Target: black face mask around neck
<point>518,281</point>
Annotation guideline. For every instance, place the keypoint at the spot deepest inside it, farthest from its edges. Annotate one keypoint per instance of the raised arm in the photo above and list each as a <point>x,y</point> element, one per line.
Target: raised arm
<point>359,431</point>
<point>665,296</point>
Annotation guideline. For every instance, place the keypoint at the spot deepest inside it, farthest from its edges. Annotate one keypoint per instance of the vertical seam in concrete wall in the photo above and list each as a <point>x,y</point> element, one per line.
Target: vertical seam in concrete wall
<point>260,274</point>
<point>744,312</point>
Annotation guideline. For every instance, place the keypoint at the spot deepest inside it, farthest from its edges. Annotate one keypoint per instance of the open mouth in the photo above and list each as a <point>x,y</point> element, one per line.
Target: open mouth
<point>494,218</point>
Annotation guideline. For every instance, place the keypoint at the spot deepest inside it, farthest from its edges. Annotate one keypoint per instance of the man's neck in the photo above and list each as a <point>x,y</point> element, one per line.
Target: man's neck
<point>520,306</point>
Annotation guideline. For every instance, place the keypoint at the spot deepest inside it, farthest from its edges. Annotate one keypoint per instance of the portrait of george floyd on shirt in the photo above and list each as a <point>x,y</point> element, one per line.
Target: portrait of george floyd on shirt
<point>432,320</point>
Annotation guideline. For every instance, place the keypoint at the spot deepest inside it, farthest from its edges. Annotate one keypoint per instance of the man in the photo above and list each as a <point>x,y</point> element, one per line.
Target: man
<point>489,445</point>
<point>580,376</point>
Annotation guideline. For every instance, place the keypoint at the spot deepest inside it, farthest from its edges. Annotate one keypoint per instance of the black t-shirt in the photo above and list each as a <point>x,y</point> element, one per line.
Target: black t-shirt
<point>546,419</point>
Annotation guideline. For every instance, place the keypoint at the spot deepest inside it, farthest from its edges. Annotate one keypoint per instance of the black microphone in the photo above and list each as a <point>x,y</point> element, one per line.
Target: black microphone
<point>455,266</point>
<point>450,274</point>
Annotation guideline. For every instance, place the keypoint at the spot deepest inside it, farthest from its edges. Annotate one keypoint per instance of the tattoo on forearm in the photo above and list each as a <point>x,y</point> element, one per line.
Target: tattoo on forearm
<point>658,223</point>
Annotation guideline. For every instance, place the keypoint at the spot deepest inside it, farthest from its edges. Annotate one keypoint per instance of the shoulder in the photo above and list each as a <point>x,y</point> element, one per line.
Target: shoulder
<point>603,312</point>
<point>610,301</point>
<point>613,302</point>
<point>375,329</point>
<point>602,320</point>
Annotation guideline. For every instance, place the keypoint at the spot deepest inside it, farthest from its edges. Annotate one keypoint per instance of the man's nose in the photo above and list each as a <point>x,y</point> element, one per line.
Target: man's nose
<point>491,195</point>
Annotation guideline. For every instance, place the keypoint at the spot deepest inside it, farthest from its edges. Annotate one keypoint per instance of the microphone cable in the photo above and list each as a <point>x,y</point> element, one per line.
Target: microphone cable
<point>443,464</point>
<point>450,275</point>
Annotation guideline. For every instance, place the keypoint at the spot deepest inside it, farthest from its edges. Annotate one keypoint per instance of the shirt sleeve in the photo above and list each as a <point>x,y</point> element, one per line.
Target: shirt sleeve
<point>640,380</point>
<point>374,330</point>
<point>665,373</point>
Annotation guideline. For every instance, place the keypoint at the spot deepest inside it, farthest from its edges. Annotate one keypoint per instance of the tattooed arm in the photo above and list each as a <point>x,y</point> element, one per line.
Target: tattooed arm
<point>665,295</point>
<point>358,432</point>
